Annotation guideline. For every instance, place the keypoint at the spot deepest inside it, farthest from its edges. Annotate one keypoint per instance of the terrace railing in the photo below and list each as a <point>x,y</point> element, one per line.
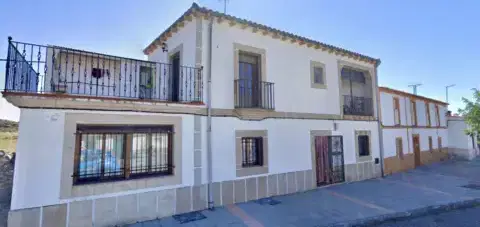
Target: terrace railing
<point>39,69</point>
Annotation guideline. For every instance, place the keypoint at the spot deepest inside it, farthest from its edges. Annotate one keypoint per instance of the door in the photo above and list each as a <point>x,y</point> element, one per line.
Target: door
<point>175,80</point>
<point>329,159</point>
<point>249,81</point>
<point>416,149</point>
<point>146,82</point>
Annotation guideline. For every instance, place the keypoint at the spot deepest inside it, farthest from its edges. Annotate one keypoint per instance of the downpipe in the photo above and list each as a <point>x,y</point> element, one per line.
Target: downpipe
<point>380,129</point>
<point>209,117</point>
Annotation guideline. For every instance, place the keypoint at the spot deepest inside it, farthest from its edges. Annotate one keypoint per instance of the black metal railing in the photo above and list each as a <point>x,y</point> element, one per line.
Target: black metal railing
<point>254,94</point>
<point>353,105</point>
<point>43,69</point>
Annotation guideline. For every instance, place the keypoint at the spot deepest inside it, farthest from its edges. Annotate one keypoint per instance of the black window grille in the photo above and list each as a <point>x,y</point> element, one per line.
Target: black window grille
<point>106,153</point>
<point>363,145</point>
<point>252,151</point>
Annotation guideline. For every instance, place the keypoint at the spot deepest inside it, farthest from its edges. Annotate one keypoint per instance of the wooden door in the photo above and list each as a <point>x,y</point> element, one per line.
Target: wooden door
<point>322,160</point>
<point>416,149</point>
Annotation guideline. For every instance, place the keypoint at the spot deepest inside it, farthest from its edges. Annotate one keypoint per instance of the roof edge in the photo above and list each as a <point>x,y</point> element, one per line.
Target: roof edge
<point>404,93</point>
<point>196,11</point>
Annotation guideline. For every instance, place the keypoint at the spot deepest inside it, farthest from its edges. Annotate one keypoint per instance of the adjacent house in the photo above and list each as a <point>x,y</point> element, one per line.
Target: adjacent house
<point>224,111</point>
<point>414,130</point>
<point>460,144</point>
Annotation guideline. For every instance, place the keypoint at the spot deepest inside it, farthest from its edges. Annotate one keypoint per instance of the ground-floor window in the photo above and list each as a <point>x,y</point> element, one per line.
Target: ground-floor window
<point>363,145</point>
<point>399,146</point>
<point>430,144</point>
<point>252,151</point>
<point>105,153</point>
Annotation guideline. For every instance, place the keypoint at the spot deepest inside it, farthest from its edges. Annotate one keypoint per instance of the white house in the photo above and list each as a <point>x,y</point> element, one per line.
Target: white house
<point>414,130</point>
<point>224,111</point>
<point>460,144</point>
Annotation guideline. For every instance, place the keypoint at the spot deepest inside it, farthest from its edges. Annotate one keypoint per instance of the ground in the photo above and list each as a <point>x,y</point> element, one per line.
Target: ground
<point>8,135</point>
<point>427,186</point>
<point>458,218</point>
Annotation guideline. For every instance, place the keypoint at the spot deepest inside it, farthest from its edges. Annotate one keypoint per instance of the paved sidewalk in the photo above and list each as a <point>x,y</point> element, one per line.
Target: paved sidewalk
<point>436,184</point>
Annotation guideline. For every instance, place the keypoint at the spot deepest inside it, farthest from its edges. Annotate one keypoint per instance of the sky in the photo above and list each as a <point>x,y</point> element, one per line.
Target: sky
<point>432,42</point>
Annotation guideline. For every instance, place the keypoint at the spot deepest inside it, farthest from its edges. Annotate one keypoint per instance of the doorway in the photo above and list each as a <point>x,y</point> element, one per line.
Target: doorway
<point>416,149</point>
<point>175,77</point>
<point>329,160</point>
<point>146,82</point>
<point>249,80</point>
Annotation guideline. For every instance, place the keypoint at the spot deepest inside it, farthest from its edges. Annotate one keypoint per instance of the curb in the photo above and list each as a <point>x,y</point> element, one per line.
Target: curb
<point>399,216</point>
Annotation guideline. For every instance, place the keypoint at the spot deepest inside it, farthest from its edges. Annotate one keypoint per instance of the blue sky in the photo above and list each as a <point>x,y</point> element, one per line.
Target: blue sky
<point>434,42</point>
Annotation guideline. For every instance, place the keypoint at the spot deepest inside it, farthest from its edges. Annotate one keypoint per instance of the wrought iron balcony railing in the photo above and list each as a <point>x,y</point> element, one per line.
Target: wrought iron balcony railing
<point>254,94</point>
<point>32,68</point>
<point>353,105</point>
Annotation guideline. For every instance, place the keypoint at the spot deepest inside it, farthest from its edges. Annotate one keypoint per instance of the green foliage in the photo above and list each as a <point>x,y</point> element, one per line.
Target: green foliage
<point>8,126</point>
<point>471,113</point>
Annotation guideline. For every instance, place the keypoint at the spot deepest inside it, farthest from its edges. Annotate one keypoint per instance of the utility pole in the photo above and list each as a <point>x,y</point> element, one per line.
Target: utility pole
<point>415,87</point>
<point>224,5</point>
<point>446,91</point>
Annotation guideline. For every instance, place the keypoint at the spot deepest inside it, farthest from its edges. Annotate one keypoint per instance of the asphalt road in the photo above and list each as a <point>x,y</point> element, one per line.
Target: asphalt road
<point>457,218</point>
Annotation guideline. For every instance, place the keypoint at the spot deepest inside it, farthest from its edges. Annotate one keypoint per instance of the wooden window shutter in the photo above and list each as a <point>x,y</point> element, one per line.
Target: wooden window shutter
<point>399,145</point>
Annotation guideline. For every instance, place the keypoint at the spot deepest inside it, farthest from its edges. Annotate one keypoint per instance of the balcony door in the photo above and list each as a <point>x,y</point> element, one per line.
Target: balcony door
<point>249,81</point>
<point>146,82</point>
<point>175,78</point>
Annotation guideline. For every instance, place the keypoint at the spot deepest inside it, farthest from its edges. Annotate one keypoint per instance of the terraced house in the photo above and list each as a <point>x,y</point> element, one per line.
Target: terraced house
<point>224,111</point>
<point>414,130</point>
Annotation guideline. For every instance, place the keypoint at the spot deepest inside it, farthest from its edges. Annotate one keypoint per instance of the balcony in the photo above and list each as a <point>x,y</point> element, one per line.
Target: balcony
<point>254,94</point>
<point>360,106</point>
<point>33,69</point>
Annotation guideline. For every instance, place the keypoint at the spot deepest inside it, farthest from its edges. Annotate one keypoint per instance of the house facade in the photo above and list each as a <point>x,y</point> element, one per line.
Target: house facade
<point>223,111</point>
<point>460,144</point>
<point>414,130</point>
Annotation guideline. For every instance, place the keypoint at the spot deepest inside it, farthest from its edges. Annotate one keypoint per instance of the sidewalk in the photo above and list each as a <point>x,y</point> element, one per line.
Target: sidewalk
<point>426,186</point>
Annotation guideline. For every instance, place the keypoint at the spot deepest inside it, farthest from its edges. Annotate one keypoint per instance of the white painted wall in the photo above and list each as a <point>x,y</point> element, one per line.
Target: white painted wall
<point>39,156</point>
<point>287,65</point>
<point>288,142</point>
<point>390,134</point>
<point>456,132</point>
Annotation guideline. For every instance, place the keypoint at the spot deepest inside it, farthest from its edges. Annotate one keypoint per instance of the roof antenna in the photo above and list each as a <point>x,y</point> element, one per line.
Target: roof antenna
<point>224,5</point>
<point>415,87</point>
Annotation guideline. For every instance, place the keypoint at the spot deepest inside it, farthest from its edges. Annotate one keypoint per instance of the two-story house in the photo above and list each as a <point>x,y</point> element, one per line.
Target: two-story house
<point>224,111</point>
<point>414,129</point>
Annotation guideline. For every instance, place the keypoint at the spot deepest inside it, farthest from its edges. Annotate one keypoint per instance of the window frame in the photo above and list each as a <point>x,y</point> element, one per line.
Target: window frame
<point>313,83</point>
<point>357,146</point>
<point>243,171</point>
<point>396,111</point>
<point>428,118</point>
<point>257,143</point>
<point>127,131</point>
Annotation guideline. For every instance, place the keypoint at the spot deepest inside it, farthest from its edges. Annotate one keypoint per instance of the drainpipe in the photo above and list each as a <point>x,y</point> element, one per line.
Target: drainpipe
<point>406,123</point>
<point>380,129</point>
<point>209,116</point>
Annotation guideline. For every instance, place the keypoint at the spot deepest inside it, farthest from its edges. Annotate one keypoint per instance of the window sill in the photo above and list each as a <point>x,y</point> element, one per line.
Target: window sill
<point>318,86</point>
<point>364,158</point>
<point>250,171</point>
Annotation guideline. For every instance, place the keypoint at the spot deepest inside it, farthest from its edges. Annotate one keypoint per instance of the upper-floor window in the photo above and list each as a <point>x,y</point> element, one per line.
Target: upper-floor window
<point>317,75</point>
<point>437,115</point>
<point>427,114</point>
<point>413,112</point>
<point>396,110</point>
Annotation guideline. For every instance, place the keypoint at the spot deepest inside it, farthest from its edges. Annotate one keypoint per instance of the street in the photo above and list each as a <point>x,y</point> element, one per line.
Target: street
<point>458,218</point>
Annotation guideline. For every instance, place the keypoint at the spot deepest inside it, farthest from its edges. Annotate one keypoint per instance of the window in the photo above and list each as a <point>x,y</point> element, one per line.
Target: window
<point>399,146</point>
<point>249,82</point>
<point>363,145</point>
<point>430,143</point>
<point>439,143</point>
<point>317,74</point>
<point>413,112</point>
<point>105,153</point>
<point>437,115</point>
<point>396,110</point>
<point>427,112</point>
<point>252,151</point>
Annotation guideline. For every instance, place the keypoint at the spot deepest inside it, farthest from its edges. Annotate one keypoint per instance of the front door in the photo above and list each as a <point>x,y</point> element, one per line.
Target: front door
<point>175,78</point>
<point>329,160</point>
<point>416,149</point>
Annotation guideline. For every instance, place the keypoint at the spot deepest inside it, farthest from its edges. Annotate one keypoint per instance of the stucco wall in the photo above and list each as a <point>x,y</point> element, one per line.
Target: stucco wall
<point>287,65</point>
<point>288,141</point>
<point>38,163</point>
<point>456,133</point>
<point>389,136</point>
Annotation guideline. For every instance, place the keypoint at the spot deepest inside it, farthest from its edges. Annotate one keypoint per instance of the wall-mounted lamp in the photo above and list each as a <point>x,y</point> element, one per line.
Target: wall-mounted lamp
<point>164,47</point>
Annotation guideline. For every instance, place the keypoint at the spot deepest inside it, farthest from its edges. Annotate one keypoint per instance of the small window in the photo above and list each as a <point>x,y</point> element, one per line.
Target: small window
<point>413,112</point>
<point>427,112</point>
<point>317,74</point>
<point>399,146</point>
<point>396,110</point>
<point>430,143</point>
<point>363,145</point>
<point>252,151</point>
<point>437,115</point>
<point>105,153</point>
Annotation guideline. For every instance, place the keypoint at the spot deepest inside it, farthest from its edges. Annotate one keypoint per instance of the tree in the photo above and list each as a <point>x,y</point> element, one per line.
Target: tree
<point>471,114</point>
